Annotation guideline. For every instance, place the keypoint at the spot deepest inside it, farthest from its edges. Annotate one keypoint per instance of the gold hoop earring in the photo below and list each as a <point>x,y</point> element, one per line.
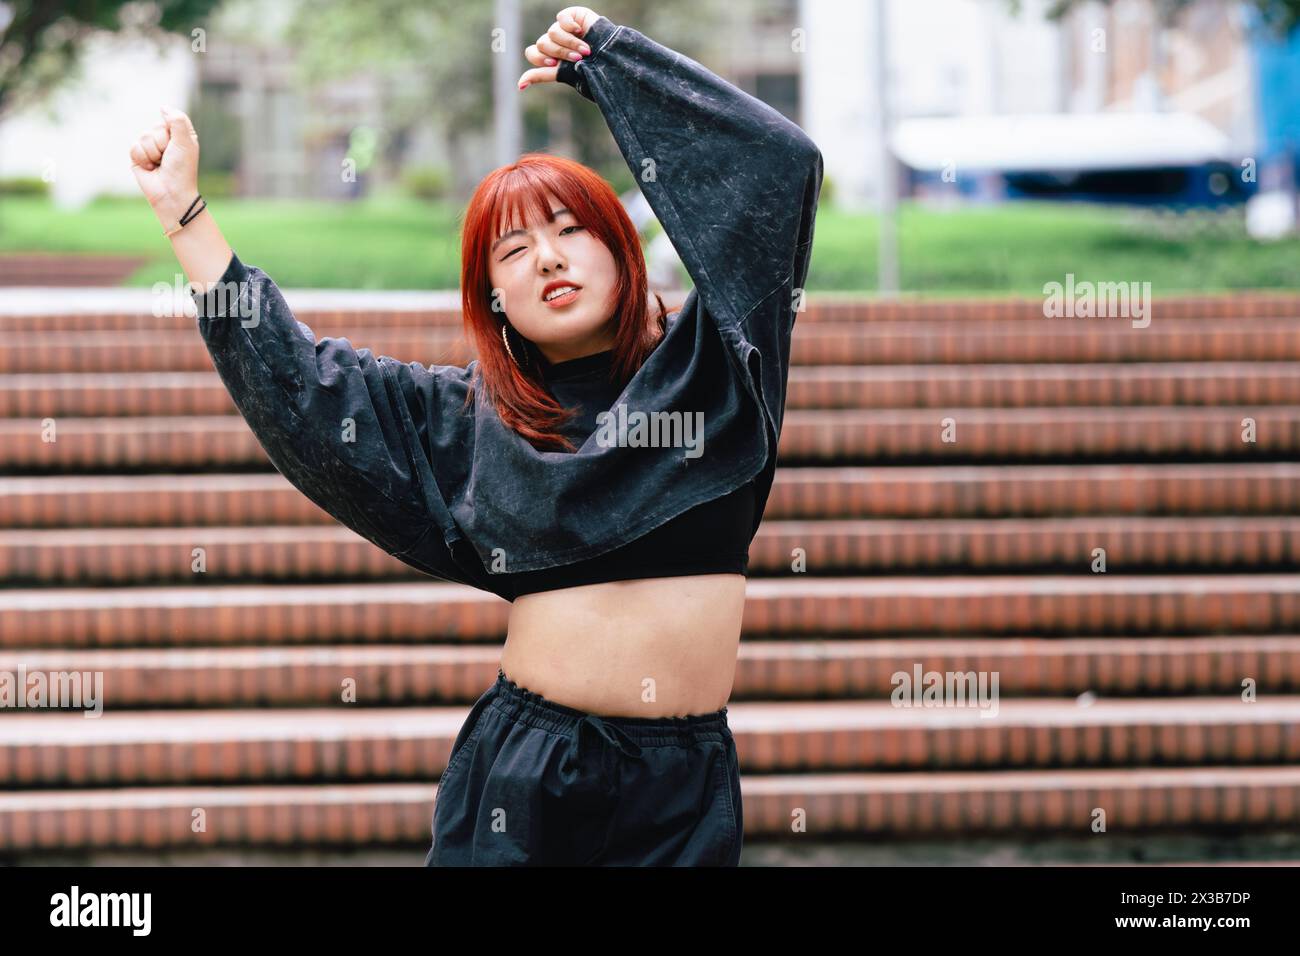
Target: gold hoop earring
<point>511,352</point>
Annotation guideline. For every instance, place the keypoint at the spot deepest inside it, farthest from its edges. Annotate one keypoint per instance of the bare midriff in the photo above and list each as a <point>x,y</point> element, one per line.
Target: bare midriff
<point>652,647</point>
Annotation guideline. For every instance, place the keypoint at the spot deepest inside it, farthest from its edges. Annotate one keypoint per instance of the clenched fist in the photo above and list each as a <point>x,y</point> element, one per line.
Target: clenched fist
<point>563,39</point>
<point>165,161</point>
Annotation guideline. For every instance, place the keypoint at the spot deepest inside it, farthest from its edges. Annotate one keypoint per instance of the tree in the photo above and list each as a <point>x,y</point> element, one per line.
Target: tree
<point>42,40</point>
<point>435,55</point>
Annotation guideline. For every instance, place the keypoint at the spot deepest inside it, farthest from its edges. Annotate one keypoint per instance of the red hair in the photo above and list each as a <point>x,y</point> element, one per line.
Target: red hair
<point>520,395</point>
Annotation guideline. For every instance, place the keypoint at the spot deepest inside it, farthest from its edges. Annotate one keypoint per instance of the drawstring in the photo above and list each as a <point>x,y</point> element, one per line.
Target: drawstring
<point>619,741</point>
<point>617,738</point>
<point>614,735</point>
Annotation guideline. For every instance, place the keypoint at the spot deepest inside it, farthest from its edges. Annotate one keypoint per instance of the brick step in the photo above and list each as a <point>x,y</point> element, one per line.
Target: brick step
<point>175,747</point>
<point>840,437</point>
<point>337,322</point>
<point>1033,545</point>
<point>113,394</point>
<point>162,500</point>
<point>1046,605</point>
<point>1046,340</point>
<point>258,499</point>
<point>1020,386</point>
<point>828,306</point>
<point>1028,434</point>
<point>293,553</point>
<point>340,312</point>
<point>1241,488</point>
<point>184,351</point>
<point>109,556</point>
<point>816,343</point>
<point>910,307</point>
<point>807,669</point>
<point>879,805</point>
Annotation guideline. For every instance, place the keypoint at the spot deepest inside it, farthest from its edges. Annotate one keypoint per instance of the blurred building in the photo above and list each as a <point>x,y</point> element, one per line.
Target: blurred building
<point>1122,58</point>
<point>810,59</point>
<point>276,141</point>
<point>78,140</point>
<point>946,58</point>
<point>973,61</point>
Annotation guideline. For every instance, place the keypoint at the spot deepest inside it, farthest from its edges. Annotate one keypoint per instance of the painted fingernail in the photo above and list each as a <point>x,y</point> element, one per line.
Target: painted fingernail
<point>551,62</point>
<point>576,56</point>
<point>586,50</point>
<point>522,85</point>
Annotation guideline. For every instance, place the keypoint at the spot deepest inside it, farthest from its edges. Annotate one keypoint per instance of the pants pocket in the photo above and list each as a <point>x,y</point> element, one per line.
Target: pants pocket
<point>675,809</point>
<point>732,764</point>
<point>466,738</point>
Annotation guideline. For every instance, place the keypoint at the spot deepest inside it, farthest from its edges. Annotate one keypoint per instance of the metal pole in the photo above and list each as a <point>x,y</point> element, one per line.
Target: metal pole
<point>888,200</point>
<point>506,95</point>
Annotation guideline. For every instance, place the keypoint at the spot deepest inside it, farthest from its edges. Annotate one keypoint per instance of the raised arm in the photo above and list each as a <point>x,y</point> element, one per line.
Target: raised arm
<point>734,183</point>
<point>336,421</point>
<point>328,415</point>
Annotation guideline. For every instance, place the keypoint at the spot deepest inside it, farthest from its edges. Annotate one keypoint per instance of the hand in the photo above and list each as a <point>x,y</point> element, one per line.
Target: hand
<point>561,41</point>
<point>165,161</point>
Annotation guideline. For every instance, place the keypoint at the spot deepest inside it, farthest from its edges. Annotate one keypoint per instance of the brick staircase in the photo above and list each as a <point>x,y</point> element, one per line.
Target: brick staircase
<point>1119,690</point>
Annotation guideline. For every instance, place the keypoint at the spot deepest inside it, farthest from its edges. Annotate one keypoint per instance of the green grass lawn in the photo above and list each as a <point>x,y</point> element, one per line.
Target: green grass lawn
<point>978,250</point>
<point>377,245</point>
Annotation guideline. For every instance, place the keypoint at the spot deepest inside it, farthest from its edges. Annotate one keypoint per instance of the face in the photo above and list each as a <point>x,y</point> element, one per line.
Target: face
<point>524,261</point>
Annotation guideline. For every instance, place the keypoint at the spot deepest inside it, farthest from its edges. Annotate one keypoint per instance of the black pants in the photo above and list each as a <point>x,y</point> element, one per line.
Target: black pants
<point>534,783</point>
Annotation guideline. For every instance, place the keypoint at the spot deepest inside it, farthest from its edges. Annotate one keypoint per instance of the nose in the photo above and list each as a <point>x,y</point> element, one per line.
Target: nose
<point>549,257</point>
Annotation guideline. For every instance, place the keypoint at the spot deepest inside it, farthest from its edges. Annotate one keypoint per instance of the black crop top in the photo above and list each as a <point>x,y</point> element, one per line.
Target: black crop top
<point>431,474</point>
<point>711,538</point>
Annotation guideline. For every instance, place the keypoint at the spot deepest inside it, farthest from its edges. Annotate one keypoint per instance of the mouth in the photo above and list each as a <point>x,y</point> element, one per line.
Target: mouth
<point>561,295</point>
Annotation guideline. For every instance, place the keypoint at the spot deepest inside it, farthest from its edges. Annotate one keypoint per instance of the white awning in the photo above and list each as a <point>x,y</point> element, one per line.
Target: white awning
<point>1059,141</point>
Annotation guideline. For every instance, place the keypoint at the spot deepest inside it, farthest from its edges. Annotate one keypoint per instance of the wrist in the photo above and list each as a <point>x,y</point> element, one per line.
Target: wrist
<point>170,209</point>
<point>597,36</point>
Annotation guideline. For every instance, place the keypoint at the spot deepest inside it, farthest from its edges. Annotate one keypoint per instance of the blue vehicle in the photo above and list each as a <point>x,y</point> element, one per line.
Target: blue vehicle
<point>1165,159</point>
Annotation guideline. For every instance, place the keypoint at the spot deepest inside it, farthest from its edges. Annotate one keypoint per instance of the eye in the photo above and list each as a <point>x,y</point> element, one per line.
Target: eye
<point>517,248</point>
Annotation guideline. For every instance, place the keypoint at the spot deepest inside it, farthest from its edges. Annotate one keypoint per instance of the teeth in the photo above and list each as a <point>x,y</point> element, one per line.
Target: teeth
<point>559,292</point>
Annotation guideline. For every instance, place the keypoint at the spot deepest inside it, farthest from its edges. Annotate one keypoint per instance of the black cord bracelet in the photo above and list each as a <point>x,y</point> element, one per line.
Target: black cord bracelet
<point>192,212</point>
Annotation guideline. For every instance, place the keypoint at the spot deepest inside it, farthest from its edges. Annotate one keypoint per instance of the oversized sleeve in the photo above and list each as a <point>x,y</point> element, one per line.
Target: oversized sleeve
<point>734,183</point>
<point>338,422</point>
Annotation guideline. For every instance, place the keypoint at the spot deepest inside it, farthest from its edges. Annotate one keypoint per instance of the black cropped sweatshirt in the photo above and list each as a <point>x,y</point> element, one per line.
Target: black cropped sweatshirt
<point>386,448</point>
<point>711,538</point>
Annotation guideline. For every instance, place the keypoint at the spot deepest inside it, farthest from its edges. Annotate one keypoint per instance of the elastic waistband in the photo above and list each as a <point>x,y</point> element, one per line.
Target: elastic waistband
<point>533,709</point>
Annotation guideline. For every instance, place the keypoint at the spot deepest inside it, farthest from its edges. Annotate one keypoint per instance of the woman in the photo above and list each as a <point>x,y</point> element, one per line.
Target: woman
<point>602,466</point>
